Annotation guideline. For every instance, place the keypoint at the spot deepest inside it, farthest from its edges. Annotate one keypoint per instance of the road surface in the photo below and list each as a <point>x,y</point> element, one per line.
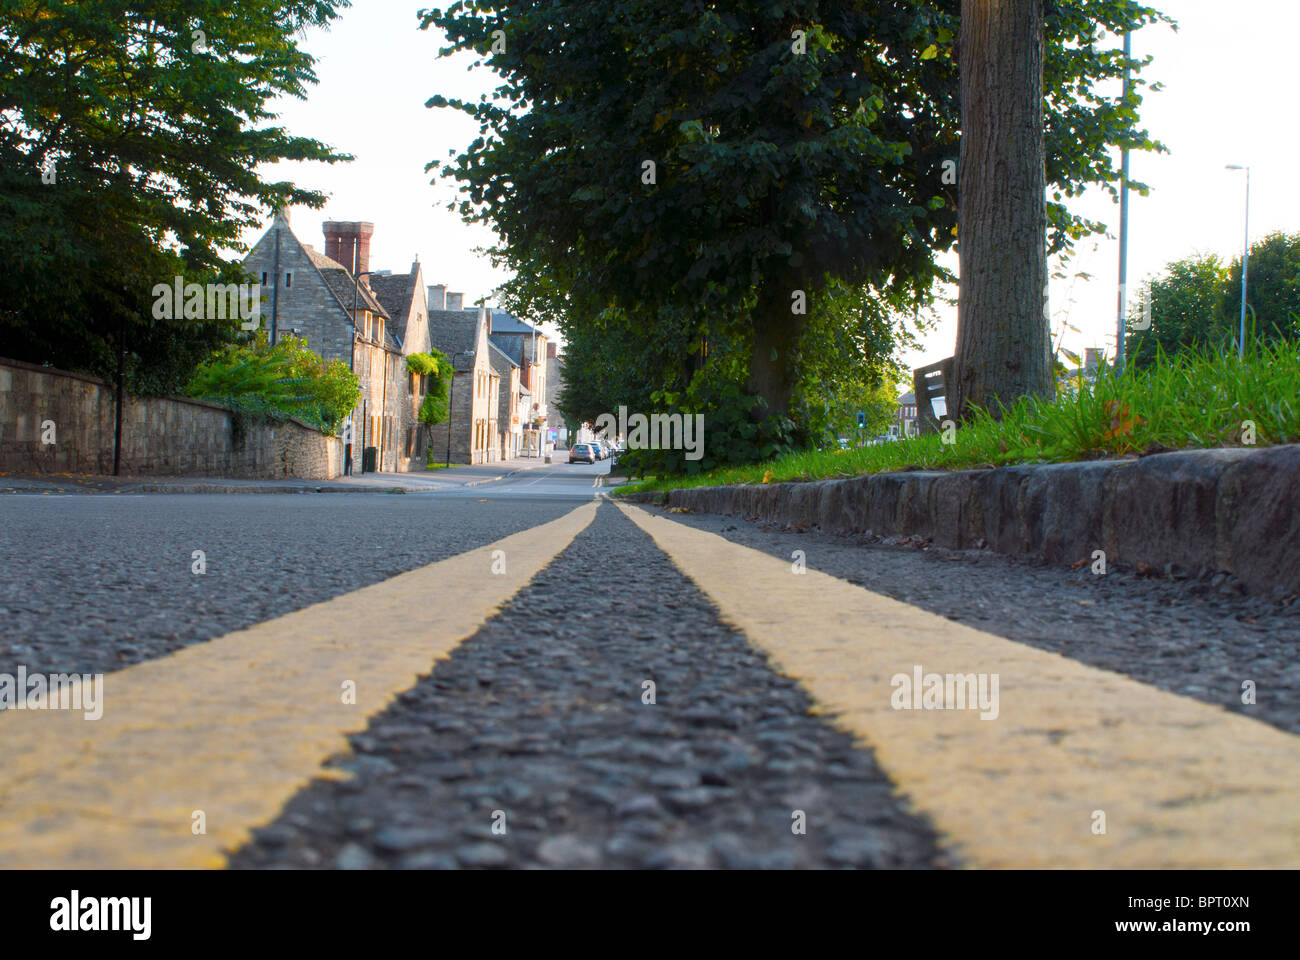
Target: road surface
<point>526,673</point>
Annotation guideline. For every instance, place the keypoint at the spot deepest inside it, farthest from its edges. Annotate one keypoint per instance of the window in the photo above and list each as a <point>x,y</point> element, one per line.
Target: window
<point>263,278</point>
<point>288,279</point>
<point>379,329</point>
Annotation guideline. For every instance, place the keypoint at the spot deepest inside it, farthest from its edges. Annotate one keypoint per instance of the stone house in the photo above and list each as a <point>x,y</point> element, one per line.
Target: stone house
<point>524,343</point>
<point>468,436</point>
<point>403,295</point>
<point>509,423</point>
<point>316,295</point>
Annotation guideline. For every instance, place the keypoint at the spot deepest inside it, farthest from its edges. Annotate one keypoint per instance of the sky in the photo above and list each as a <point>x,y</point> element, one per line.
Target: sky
<point>1227,98</point>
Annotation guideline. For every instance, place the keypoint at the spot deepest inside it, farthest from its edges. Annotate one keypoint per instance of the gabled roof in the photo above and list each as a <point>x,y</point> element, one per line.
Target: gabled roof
<point>503,322</point>
<point>499,359</point>
<point>908,399</point>
<point>394,293</point>
<point>339,280</point>
<point>453,332</point>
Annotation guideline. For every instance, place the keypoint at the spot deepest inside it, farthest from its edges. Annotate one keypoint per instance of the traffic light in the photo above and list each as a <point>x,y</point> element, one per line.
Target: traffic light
<point>862,421</point>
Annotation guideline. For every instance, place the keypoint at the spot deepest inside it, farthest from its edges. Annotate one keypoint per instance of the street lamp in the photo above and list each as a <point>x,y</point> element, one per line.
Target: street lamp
<point>1245,260</point>
<point>451,396</point>
<point>1123,224</point>
<point>352,359</point>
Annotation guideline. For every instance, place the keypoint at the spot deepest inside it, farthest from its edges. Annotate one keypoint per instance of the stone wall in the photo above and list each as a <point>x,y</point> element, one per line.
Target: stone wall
<point>1231,510</point>
<point>160,436</point>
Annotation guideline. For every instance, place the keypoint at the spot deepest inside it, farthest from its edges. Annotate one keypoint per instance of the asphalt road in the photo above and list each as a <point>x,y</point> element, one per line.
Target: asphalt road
<point>532,744</point>
<point>92,583</point>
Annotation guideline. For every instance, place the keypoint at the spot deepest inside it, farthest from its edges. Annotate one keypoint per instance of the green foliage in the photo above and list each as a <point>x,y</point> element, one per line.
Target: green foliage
<point>438,371</point>
<point>732,434</point>
<point>1273,289</point>
<point>278,381</point>
<point>1196,302</point>
<point>433,410</point>
<point>152,142</point>
<point>847,365</point>
<point>775,170</point>
<point>1195,399</point>
<point>1186,311</point>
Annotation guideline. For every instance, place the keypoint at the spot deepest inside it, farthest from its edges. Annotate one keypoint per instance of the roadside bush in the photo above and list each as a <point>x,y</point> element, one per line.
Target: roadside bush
<point>1195,399</point>
<point>733,432</point>
<point>274,382</point>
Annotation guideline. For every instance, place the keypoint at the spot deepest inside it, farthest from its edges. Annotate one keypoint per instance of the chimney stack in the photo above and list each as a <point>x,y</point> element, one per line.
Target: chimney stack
<point>348,242</point>
<point>438,296</point>
<point>455,301</point>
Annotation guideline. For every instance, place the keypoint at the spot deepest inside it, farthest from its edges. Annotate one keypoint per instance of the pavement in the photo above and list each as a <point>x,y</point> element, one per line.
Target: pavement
<point>415,481</point>
<point>524,674</point>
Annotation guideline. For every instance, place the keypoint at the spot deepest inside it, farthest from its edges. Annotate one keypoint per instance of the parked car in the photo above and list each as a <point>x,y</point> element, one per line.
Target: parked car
<point>583,453</point>
<point>604,448</point>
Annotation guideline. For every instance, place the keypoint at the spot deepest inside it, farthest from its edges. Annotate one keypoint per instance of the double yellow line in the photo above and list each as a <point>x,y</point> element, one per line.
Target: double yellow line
<point>233,728</point>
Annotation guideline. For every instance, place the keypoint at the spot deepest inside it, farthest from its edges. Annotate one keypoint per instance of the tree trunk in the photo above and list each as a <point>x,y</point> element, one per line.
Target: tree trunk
<point>1003,341</point>
<point>772,374</point>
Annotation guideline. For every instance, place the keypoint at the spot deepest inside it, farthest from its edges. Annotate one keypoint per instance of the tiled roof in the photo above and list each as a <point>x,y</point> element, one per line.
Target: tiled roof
<point>395,293</point>
<point>500,360</point>
<point>503,322</point>
<point>907,399</point>
<point>453,332</point>
<point>339,280</point>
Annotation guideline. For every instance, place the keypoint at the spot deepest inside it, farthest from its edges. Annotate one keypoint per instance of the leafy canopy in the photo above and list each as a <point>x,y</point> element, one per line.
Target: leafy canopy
<point>1195,303</point>
<point>437,371</point>
<point>284,380</point>
<point>149,123</point>
<point>796,145</point>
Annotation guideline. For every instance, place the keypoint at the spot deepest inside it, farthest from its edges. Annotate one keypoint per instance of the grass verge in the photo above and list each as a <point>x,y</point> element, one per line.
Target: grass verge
<point>1187,401</point>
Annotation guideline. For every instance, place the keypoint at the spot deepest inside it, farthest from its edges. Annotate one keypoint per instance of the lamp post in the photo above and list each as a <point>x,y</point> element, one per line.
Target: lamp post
<point>451,396</point>
<point>347,455</point>
<point>1123,226</point>
<point>1245,261</point>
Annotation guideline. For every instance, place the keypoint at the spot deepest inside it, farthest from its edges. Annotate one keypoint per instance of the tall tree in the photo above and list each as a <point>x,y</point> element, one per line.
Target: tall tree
<point>130,139</point>
<point>1185,307</point>
<point>1195,303</point>
<point>722,164</point>
<point>725,161</point>
<point>1273,289</point>
<point>1003,340</point>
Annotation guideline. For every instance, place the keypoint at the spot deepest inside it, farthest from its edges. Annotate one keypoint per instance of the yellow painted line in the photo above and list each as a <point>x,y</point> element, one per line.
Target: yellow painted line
<point>1182,784</point>
<point>236,726</point>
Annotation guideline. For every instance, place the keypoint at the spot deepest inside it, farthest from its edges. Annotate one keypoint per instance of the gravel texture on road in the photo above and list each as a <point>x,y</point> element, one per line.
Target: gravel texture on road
<point>1200,637</point>
<point>538,722</point>
<point>92,584</point>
